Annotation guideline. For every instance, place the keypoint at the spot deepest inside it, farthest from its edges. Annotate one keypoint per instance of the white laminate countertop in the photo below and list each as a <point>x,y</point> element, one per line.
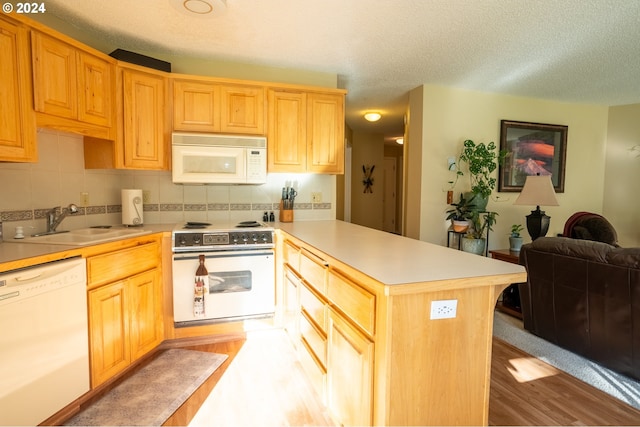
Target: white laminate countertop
<point>393,259</point>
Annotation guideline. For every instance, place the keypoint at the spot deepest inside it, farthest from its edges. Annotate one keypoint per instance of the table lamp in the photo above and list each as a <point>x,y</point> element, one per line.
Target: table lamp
<point>537,190</point>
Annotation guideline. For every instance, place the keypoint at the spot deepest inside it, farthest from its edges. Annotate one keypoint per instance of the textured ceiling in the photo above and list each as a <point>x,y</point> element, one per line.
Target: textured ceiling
<point>583,51</point>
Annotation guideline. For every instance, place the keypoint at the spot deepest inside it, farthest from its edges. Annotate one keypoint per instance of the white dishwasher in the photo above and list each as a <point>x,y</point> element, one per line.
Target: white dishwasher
<point>44,350</point>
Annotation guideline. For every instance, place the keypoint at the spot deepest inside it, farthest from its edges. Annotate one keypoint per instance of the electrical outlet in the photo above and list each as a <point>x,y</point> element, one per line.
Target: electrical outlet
<point>444,309</point>
<point>84,199</point>
<point>146,196</point>
<point>316,197</point>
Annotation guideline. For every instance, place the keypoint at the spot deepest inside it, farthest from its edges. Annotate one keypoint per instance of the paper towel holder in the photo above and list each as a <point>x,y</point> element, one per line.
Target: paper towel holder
<point>132,211</point>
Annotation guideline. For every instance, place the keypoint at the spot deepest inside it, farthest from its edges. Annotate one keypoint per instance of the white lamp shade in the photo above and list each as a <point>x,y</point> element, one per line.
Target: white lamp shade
<point>537,191</point>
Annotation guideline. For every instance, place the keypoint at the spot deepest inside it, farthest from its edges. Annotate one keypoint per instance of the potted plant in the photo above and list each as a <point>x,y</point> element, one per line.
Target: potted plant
<point>482,160</point>
<point>460,214</point>
<point>515,241</point>
<point>475,241</point>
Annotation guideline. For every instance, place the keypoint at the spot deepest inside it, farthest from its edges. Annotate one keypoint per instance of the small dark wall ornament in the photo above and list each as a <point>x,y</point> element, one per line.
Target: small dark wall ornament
<point>367,179</point>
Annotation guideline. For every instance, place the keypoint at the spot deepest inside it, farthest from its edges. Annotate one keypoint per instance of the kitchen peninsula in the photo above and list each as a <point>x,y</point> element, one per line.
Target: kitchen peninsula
<point>391,330</point>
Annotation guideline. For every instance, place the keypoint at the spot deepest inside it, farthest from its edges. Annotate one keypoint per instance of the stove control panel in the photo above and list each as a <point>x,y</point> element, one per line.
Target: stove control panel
<point>220,240</point>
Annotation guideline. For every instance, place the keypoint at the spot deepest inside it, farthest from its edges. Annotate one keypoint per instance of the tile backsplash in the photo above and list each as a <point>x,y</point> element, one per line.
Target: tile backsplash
<point>59,178</point>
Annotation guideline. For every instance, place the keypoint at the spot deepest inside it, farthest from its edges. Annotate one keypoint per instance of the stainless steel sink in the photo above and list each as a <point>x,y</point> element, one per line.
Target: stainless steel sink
<point>86,236</point>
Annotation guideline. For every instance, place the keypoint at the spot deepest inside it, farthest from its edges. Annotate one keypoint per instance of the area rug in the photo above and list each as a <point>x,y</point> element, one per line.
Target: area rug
<point>511,330</point>
<point>153,393</point>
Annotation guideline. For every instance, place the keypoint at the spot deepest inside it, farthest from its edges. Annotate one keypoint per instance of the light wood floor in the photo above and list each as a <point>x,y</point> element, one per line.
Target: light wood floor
<point>262,384</point>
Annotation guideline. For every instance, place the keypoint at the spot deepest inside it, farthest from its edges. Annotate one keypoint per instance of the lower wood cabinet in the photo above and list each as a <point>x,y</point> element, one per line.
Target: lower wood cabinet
<point>349,373</point>
<point>333,333</point>
<point>125,314</point>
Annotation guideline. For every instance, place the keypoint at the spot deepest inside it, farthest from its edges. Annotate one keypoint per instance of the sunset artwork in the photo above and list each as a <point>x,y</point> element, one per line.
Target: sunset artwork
<point>531,149</point>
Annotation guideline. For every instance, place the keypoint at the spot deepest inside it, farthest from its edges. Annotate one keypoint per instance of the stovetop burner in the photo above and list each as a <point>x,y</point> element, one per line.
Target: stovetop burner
<point>192,225</point>
<point>198,236</point>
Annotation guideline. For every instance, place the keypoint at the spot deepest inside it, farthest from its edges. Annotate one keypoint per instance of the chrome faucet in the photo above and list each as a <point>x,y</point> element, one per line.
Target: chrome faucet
<point>54,220</point>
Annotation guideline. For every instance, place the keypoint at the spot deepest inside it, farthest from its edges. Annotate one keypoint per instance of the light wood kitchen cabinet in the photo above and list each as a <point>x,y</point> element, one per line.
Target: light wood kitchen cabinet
<point>325,133</point>
<point>305,132</point>
<point>145,135</point>
<point>336,321</point>
<point>196,106</point>
<point>287,131</point>
<point>350,373</point>
<point>72,84</point>
<point>17,124</point>
<point>109,332</point>
<point>209,105</point>
<point>125,308</point>
<point>243,109</point>
<point>388,360</point>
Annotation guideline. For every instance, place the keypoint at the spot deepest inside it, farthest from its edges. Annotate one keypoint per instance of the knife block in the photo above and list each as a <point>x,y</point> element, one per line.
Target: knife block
<point>286,215</point>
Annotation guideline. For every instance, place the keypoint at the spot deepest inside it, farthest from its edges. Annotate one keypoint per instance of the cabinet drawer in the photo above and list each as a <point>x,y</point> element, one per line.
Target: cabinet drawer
<point>316,374</point>
<point>121,264</point>
<point>315,308</point>
<point>354,301</point>
<point>291,254</point>
<point>313,269</point>
<point>314,339</point>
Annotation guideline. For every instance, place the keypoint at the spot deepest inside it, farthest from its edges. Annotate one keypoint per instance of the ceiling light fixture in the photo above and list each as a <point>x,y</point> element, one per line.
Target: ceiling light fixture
<point>372,117</point>
<point>400,140</point>
<point>199,7</point>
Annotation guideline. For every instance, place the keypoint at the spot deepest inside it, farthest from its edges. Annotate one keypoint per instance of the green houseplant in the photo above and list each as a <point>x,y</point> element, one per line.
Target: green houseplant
<point>460,214</point>
<point>515,241</point>
<point>482,160</point>
<point>475,241</point>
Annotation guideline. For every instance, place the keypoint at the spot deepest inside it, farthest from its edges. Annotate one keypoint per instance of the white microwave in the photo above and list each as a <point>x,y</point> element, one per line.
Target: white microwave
<point>218,159</point>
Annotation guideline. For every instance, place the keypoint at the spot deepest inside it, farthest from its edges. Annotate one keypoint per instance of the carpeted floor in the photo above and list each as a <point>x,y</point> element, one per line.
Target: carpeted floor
<point>152,394</point>
<point>510,329</point>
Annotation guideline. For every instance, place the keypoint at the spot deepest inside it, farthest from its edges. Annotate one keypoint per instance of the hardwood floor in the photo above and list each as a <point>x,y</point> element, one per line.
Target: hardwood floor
<point>262,384</point>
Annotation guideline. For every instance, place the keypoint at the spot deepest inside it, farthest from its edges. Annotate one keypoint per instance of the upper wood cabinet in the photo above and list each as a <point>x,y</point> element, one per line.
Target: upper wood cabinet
<point>287,135</point>
<point>196,106</point>
<point>145,135</point>
<point>72,84</point>
<point>212,106</point>
<point>242,109</point>
<point>325,133</point>
<point>17,121</point>
<point>305,132</point>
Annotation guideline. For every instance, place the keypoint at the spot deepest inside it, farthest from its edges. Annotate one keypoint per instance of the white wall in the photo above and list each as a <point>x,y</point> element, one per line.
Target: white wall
<point>621,201</point>
<point>367,208</point>
<point>450,115</point>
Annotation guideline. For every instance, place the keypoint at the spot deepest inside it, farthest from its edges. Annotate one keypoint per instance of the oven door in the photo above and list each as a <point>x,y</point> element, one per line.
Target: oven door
<point>239,284</point>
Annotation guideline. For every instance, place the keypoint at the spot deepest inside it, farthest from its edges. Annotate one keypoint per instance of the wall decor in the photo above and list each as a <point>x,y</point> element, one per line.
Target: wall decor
<point>532,148</point>
<point>367,179</point>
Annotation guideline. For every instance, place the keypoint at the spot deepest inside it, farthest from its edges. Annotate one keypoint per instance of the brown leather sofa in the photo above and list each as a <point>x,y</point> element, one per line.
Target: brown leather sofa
<point>584,296</point>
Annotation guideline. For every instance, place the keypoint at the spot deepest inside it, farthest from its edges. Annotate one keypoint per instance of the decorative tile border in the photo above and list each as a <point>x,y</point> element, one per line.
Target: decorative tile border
<point>25,215</point>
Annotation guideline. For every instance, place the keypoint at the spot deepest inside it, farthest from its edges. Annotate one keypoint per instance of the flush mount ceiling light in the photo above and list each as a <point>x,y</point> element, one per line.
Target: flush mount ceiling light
<point>372,116</point>
<point>199,7</point>
<point>400,140</point>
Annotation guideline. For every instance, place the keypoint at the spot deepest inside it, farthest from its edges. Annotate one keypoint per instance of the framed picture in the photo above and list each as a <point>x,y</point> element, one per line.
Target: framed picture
<point>531,149</point>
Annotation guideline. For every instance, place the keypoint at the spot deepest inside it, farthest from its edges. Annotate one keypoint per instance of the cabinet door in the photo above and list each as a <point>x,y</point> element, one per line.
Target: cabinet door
<point>196,106</point>
<point>242,109</point>
<point>349,373</point>
<point>96,79</point>
<point>145,293</point>
<point>54,76</point>
<point>108,331</point>
<point>291,305</point>
<point>144,140</point>
<point>325,134</point>
<point>287,142</point>
<point>18,129</point>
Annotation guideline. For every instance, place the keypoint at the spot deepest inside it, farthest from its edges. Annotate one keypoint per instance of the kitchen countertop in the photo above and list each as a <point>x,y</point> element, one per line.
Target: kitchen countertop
<point>15,250</point>
<point>392,259</point>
